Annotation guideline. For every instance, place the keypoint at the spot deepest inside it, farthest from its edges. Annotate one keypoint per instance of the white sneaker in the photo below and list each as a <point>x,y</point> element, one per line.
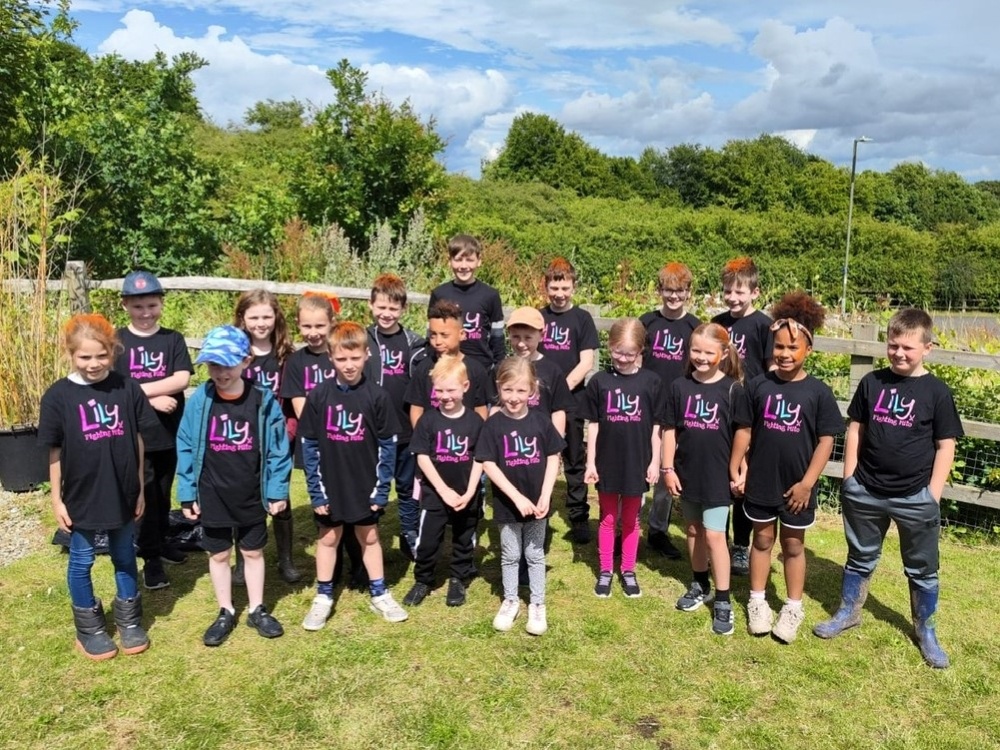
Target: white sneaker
<point>536,619</point>
<point>759,617</point>
<point>506,615</point>
<point>386,606</point>
<point>318,613</point>
<point>789,620</point>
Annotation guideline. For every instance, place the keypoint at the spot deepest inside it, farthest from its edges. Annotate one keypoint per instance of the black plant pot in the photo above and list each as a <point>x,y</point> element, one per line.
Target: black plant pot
<point>23,463</point>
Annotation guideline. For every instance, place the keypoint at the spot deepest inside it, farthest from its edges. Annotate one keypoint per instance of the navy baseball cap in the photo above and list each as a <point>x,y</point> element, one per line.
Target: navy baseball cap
<point>139,283</point>
<point>224,345</point>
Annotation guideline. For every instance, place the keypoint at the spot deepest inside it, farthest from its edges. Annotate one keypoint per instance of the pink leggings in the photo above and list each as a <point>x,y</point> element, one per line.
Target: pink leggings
<point>630,505</point>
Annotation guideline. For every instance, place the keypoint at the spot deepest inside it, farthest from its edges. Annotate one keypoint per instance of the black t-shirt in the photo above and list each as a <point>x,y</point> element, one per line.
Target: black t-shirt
<point>451,444</point>
<point>902,417</point>
<point>96,428</point>
<point>147,359</point>
<point>482,309</point>
<point>753,339</point>
<point>627,409</point>
<point>566,335</point>
<point>553,393</point>
<point>420,391</point>
<point>265,371</point>
<point>667,344</point>
<point>347,425</point>
<point>520,448</point>
<point>786,421</point>
<point>304,371</point>
<point>702,417</point>
<point>395,354</point>
<point>229,483</point>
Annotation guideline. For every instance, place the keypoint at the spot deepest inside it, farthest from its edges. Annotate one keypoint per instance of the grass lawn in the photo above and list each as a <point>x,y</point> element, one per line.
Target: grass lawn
<point>613,673</point>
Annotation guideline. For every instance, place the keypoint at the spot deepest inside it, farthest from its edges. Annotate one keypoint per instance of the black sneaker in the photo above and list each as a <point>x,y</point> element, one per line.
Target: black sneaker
<point>416,594</point>
<point>602,588</point>
<point>660,542</point>
<point>630,586</point>
<point>153,575</point>
<point>172,556</point>
<point>456,593</point>
<point>581,532</point>
<point>264,623</point>
<point>219,630</point>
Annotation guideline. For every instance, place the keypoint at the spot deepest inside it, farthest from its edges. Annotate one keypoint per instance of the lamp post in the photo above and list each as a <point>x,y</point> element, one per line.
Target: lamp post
<point>850,216</point>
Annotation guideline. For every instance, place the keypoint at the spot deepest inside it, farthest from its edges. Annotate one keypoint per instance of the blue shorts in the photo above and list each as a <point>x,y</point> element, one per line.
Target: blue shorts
<point>713,519</point>
<point>764,514</point>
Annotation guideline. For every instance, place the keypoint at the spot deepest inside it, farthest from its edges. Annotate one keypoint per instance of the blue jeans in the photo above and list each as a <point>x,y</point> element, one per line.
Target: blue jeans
<point>409,509</point>
<point>866,521</point>
<point>121,543</point>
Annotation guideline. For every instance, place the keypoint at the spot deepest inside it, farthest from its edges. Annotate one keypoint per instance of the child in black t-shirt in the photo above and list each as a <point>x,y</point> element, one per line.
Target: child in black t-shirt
<point>624,407</point>
<point>789,420</point>
<point>480,303</point>
<point>444,443</point>
<point>93,421</point>
<point>158,359</point>
<point>233,468</point>
<point>519,450</point>
<point>348,430</point>
<point>668,331</point>
<point>524,328</point>
<point>900,447</point>
<point>570,340</point>
<point>750,332</point>
<point>697,445</point>
<point>395,353</point>
<point>259,314</point>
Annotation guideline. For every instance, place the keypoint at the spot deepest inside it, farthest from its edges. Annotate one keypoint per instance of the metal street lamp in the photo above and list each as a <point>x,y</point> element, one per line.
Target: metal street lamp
<point>850,215</point>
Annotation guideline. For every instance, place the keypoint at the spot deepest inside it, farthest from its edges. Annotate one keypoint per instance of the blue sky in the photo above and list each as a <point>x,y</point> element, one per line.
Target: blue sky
<point>921,78</point>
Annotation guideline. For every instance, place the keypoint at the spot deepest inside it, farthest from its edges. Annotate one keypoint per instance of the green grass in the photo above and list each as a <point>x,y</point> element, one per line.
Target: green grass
<point>613,673</point>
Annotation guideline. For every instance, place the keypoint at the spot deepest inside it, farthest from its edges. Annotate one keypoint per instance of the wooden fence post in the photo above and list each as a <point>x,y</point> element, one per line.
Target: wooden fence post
<point>76,284</point>
<point>862,365</point>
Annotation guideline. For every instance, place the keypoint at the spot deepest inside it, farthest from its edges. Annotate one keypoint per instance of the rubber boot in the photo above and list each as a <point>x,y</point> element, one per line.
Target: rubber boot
<point>128,619</point>
<point>853,593</point>
<point>92,639</point>
<point>923,606</point>
<point>283,536</point>
<point>239,577</point>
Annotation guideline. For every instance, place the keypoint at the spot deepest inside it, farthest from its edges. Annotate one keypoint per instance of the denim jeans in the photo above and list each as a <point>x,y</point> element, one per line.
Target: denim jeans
<point>409,509</point>
<point>121,543</point>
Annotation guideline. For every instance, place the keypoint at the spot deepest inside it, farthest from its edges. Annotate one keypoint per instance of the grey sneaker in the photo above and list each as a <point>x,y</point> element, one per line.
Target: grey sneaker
<point>630,586</point>
<point>506,615</point>
<point>386,606</point>
<point>537,623</point>
<point>318,613</point>
<point>694,597</point>
<point>722,618</point>
<point>739,560</point>
<point>759,617</point>
<point>602,588</point>
<point>789,619</point>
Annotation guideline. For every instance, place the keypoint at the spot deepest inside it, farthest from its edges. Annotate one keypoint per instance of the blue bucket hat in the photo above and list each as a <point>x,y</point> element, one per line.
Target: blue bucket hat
<point>224,345</point>
<point>139,283</point>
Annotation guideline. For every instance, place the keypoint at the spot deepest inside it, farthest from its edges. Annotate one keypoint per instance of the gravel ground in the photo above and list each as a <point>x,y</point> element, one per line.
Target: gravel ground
<point>21,529</point>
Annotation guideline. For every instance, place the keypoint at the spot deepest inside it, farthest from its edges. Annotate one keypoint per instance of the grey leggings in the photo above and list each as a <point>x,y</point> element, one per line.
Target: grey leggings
<point>528,537</point>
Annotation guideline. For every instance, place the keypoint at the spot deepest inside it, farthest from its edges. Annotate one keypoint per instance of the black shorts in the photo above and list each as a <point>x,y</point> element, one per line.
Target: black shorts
<point>249,538</point>
<point>764,514</point>
<point>330,522</point>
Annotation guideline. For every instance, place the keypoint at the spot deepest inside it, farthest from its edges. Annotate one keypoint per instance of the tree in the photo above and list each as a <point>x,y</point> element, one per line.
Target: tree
<point>366,161</point>
<point>271,115</point>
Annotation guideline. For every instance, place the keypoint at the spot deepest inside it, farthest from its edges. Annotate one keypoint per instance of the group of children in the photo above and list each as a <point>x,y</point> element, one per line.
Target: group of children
<point>719,414</point>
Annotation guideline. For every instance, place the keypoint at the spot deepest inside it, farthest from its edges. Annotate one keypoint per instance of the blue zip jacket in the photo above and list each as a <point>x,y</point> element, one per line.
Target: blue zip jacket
<point>275,458</point>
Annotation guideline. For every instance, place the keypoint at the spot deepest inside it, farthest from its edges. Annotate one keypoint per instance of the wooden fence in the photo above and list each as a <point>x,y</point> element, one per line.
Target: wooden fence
<point>863,348</point>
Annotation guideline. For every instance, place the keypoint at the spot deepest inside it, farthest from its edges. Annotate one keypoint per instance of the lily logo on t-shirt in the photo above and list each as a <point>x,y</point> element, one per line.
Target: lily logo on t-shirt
<point>392,362</point>
<point>700,414</point>
<point>781,415</point>
<point>666,346</point>
<point>313,375</point>
<point>892,409</point>
<point>451,448</point>
<point>143,365</point>
<point>556,338</point>
<point>229,435</point>
<point>100,421</point>
<point>262,377</point>
<point>473,329</point>
<point>343,426</point>
<point>519,450</point>
<point>622,407</point>
<point>739,340</point>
